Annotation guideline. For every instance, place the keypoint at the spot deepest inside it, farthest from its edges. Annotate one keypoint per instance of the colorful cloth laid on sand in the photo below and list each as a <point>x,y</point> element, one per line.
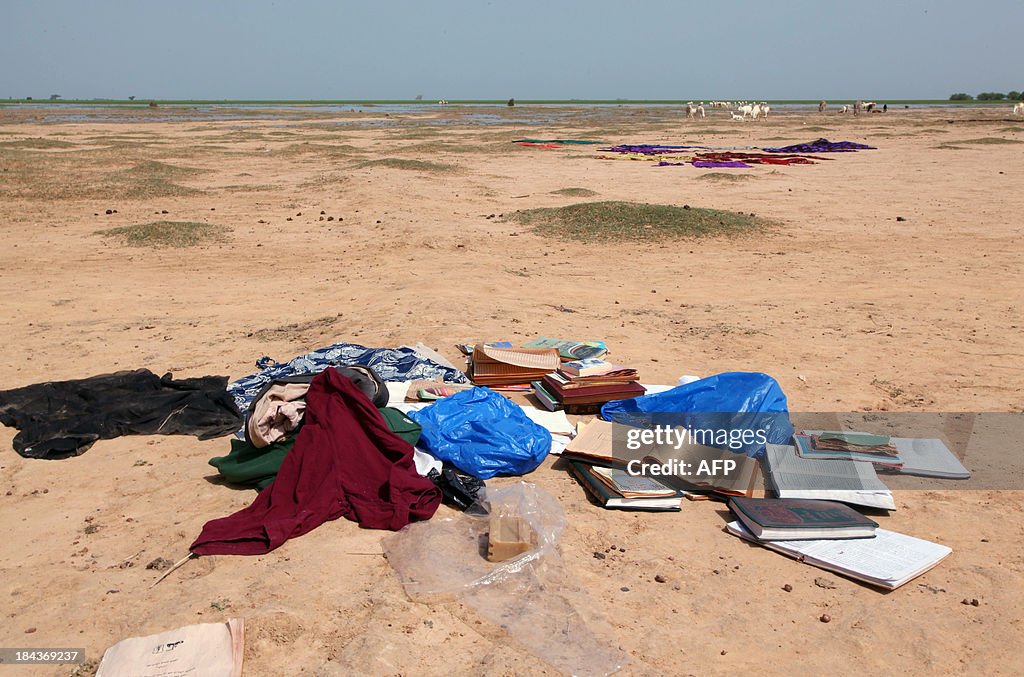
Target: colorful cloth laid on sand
<point>346,462</point>
<point>646,149</point>
<point>562,141</point>
<point>60,419</point>
<point>821,146</point>
<point>720,164</point>
<point>644,158</point>
<point>759,158</point>
<point>741,160</point>
<point>705,163</point>
<point>391,364</point>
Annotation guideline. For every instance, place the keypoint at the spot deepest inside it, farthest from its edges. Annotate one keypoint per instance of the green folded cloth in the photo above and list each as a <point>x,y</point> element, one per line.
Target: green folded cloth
<point>248,466</point>
<point>401,425</point>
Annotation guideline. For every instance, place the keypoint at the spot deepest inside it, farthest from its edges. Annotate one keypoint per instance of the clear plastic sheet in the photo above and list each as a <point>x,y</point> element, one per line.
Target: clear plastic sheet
<point>530,596</point>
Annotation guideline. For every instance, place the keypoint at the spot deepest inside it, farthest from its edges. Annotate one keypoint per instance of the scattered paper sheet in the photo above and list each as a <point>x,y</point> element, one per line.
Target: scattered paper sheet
<point>555,421</point>
<point>204,650</point>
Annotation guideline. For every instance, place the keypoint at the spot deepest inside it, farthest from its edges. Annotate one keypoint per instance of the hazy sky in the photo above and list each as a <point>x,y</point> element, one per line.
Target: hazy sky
<point>473,49</point>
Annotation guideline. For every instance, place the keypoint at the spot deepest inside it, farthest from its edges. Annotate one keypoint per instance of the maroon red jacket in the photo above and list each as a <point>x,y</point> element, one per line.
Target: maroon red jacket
<point>345,463</point>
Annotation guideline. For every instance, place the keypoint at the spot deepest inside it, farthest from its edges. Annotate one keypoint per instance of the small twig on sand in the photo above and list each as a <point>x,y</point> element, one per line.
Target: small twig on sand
<point>177,564</point>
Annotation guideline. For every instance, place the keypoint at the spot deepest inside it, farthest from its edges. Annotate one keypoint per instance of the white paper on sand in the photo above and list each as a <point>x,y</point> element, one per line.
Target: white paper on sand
<point>555,421</point>
<point>888,560</point>
<point>824,479</point>
<point>204,650</point>
<point>924,457</point>
<point>397,390</point>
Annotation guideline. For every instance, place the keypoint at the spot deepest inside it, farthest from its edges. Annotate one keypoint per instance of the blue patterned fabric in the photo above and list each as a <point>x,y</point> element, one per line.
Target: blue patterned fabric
<point>392,364</point>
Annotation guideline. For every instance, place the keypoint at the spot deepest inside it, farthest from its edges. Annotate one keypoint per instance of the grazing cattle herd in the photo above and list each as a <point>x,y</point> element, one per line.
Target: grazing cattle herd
<point>755,111</point>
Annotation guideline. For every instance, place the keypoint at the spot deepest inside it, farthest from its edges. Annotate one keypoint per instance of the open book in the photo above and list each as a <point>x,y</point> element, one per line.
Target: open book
<point>505,366</point>
<point>701,468</point>
<point>612,492</point>
<point>791,476</point>
<point>888,560</point>
<point>691,467</point>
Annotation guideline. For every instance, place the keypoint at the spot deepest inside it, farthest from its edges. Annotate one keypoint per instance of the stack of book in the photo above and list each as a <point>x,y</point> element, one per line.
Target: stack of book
<point>615,489</point>
<point>923,457</point>
<point>582,386</point>
<point>877,449</point>
<point>591,460</point>
<point>502,367</point>
<point>815,532</point>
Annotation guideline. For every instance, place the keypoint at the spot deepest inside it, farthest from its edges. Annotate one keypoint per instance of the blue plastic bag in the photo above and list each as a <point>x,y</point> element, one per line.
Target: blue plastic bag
<point>483,434</point>
<point>733,401</point>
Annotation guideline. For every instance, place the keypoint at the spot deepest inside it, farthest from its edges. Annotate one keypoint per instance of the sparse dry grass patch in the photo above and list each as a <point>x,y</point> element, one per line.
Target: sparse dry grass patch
<point>159,234</point>
<point>341,151</point>
<point>724,177</point>
<point>635,221</point>
<point>89,174</point>
<point>295,330</point>
<point>575,192</point>
<point>412,165</point>
<point>989,141</point>
<point>37,143</point>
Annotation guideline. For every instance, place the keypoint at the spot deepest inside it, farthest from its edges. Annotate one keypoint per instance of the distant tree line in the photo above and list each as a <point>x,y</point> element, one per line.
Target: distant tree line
<point>989,96</point>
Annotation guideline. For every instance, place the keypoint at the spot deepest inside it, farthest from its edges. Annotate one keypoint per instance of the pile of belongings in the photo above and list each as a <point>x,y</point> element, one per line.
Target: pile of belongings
<point>322,436</point>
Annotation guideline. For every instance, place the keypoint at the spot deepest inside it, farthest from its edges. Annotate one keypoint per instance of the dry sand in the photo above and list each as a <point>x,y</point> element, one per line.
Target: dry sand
<point>847,307</point>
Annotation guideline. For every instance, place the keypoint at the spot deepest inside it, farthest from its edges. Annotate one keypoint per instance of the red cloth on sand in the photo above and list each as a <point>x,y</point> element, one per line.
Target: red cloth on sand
<point>345,463</point>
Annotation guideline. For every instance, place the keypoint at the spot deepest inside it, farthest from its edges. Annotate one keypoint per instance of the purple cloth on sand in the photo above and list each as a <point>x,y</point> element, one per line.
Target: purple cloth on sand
<point>821,146</point>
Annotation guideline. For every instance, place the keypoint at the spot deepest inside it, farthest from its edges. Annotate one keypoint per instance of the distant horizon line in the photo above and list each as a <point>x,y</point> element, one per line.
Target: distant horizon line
<point>137,101</point>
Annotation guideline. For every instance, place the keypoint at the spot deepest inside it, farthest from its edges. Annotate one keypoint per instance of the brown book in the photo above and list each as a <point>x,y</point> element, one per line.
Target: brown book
<point>592,444</point>
<point>507,366</point>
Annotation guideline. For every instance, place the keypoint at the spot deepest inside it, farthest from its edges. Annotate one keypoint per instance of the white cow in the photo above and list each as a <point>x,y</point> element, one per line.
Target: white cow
<point>746,109</point>
<point>764,110</point>
<point>1018,108</point>
<point>736,116</point>
<point>691,110</point>
<point>844,109</point>
<point>700,111</point>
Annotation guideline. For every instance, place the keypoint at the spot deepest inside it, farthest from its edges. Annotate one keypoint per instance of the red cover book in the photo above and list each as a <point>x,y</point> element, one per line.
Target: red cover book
<point>618,391</point>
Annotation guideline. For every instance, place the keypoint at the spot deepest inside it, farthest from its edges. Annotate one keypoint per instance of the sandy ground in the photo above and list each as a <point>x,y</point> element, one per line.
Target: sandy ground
<point>847,307</point>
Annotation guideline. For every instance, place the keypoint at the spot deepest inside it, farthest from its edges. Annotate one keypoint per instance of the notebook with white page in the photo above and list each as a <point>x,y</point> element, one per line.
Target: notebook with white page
<point>888,560</point>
